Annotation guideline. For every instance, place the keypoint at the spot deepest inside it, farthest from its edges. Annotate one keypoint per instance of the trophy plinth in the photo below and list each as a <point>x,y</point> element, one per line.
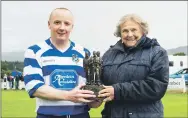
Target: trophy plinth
<point>93,68</point>
<point>94,88</point>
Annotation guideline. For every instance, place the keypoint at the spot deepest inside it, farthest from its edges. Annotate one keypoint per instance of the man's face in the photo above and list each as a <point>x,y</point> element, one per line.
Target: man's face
<point>60,24</point>
<point>130,33</point>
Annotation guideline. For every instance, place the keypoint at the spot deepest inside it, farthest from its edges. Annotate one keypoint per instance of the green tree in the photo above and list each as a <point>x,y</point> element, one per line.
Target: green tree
<point>179,54</point>
<point>7,67</point>
<point>4,66</point>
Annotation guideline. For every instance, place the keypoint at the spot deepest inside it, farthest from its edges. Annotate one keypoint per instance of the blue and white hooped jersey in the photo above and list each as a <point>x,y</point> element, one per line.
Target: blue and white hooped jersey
<point>45,65</point>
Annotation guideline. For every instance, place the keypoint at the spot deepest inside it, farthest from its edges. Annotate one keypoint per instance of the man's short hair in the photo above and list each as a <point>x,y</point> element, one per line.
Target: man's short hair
<point>61,8</point>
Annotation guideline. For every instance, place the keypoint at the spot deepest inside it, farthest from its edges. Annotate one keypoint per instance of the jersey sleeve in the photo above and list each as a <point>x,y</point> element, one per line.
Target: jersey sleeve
<point>33,77</point>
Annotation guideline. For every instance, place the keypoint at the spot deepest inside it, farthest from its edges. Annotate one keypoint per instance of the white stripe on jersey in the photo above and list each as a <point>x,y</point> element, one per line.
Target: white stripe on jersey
<point>79,48</point>
<point>28,70</point>
<point>44,47</point>
<point>29,54</point>
<point>54,60</point>
<point>47,79</point>
<point>31,84</point>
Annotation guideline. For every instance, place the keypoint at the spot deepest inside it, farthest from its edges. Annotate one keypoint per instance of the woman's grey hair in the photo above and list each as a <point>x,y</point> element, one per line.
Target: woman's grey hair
<point>135,18</point>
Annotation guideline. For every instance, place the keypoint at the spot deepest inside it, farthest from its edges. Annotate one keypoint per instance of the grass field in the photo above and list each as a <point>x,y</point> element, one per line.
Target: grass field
<point>18,104</point>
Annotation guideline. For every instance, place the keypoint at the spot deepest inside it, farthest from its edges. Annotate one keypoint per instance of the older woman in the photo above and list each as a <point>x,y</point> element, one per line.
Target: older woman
<point>135,73</point>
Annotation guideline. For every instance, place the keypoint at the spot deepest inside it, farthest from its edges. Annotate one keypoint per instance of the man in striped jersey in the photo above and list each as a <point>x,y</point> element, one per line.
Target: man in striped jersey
<point>54,74</point>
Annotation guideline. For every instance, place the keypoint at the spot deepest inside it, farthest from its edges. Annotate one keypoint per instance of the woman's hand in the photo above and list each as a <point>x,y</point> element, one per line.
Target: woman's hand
<point>107,93</point>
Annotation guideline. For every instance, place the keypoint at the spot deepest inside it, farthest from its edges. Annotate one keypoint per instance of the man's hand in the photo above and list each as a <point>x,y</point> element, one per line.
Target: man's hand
<point>78,95</point>
<point>107,92</point>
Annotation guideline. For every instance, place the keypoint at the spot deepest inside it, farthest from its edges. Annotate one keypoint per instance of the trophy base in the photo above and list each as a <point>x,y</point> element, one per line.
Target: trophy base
<point>95,89</point>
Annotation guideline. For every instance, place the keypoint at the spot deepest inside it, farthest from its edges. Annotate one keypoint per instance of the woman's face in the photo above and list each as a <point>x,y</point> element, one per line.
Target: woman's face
<point>131,32</point>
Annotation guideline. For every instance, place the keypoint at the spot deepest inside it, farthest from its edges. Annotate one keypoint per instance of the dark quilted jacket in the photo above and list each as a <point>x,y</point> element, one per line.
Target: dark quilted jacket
<point>139,76</point>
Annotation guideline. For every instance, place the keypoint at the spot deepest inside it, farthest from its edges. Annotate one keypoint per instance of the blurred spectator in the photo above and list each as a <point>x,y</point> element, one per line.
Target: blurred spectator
<point>10,81</point>
<point>21,78</point>
<point>17,81</point>
<point>5,81</point>
<point>5,78</point>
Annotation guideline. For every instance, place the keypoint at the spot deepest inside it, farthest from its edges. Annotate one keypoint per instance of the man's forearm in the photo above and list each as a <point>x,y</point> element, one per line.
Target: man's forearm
<point>47,92</point>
